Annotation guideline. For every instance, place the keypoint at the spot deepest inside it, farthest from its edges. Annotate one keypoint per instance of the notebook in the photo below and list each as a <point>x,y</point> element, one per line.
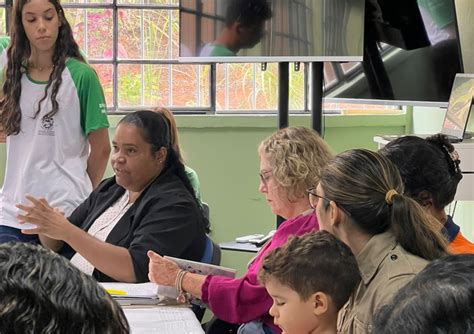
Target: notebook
<point>460,106</point>
<point>141,293</point>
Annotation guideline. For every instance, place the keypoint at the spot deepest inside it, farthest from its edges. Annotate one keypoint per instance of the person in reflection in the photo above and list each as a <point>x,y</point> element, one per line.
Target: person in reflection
<point>430,170</point>
<point>309,301</point>
<point>244,28</point>
<point>440,299</point>
<point>41,292</point>
<point>148,204</point>
<point>290,162</point>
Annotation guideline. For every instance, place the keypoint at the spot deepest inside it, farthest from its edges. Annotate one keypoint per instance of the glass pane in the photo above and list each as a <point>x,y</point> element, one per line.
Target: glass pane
<point>145,34</point>
<point>129,85</point>
<point>92,31</point>
<point>266,87</point>
<point>365,109</point>
<point>164,85</point>
<point>247,87</point>
<point>235,87</point>
<point>150,2</point>
<point>105,73</point>
<point>297,88</point>
<point>330,77</point>
<point>86,1</point>
<point>190,84</point>
<point>349,67</point>
<point>3,24</point>
<point>174,34</point>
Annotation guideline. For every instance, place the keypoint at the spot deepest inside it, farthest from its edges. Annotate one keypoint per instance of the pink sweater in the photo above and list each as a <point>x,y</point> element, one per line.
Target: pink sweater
<point>244,299</point>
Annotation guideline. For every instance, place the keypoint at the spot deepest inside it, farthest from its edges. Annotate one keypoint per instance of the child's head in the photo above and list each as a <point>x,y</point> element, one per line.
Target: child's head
<point>309,279</point>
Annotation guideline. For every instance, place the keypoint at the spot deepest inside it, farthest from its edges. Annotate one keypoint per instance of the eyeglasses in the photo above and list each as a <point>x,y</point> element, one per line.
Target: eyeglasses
<point>263,176</point>
<point>314,198</point>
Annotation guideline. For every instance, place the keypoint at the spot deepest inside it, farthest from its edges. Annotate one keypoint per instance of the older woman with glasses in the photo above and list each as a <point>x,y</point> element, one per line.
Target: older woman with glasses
<point>290,161</point>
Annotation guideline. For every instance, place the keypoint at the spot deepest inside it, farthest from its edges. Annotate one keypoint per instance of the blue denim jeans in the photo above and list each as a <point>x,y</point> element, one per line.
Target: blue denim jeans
<point>8,233</point>
<point>254,327</point>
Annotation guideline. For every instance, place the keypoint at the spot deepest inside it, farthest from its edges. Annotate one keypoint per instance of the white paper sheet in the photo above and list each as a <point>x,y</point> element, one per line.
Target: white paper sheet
<point>163,320</point>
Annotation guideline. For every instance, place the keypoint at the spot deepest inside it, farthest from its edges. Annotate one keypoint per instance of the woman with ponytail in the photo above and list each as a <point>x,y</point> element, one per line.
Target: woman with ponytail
<point>148,204</point>
<point>360,199</point>
<point>53,114</point>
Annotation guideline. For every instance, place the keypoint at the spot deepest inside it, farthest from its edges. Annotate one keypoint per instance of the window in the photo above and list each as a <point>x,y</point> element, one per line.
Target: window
<point>133,46</point>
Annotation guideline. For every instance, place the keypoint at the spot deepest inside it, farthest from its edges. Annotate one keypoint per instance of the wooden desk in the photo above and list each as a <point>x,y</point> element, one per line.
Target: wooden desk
<point>240,247</point>
<point>163,320</point>
<point>465,150</point>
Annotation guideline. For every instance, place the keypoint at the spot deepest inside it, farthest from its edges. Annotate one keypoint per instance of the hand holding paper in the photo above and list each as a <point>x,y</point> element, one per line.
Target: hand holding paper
<point>160,270</point>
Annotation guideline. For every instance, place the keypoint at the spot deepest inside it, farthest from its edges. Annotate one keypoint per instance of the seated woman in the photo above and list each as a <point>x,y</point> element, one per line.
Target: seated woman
<point>431,174</point>
<point>148,204</point>
<point>360,200</point>
<point>290,161</point>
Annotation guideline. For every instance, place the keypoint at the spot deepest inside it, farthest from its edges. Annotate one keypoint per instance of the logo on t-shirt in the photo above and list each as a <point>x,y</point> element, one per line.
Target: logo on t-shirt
<point>103,108</point>
<point>47,126</point>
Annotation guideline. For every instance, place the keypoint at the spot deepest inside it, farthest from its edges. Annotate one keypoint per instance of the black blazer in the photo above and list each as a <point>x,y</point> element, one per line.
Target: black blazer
<point>165,219</point>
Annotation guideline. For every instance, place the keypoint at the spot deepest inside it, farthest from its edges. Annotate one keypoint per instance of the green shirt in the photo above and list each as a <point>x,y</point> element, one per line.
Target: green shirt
<point>216,50</point>
<point>194,180</point>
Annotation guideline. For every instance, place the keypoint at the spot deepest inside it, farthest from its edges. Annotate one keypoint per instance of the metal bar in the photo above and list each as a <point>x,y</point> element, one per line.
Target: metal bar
<point>114,56</point>
<point>317,96</point>
<point>283,92</point>
<point>212,87</point>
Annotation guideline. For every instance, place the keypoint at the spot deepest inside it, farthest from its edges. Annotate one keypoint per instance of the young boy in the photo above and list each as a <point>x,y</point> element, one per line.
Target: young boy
<point>309,278</point>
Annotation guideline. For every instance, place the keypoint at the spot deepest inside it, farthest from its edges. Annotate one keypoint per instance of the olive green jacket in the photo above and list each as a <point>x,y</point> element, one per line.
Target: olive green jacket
<point>385,267</point>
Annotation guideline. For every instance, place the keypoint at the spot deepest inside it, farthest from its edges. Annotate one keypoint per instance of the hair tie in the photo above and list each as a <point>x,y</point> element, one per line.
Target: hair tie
<point>454,155</point>
<point>389,196</point>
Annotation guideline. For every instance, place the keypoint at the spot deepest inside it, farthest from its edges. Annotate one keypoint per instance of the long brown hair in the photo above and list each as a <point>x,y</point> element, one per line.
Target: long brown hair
<point>359,180</point>
<point>168,115</point>
<point>18,53</point>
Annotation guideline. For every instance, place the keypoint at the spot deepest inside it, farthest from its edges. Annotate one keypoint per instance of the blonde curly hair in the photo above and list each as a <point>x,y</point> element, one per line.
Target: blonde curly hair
<point>296,156</point>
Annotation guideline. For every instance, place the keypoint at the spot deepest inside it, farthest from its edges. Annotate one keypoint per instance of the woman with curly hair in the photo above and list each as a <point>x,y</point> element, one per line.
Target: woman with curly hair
<point>290,162</point>
<point>53,113</point>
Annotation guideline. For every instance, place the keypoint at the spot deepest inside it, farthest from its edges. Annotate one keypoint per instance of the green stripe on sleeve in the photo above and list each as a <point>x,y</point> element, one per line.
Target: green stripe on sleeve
<point>91,96</point>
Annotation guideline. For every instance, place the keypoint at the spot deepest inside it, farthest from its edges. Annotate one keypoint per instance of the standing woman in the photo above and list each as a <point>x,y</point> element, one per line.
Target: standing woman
<point>53,113</point>
<point>360,199</point>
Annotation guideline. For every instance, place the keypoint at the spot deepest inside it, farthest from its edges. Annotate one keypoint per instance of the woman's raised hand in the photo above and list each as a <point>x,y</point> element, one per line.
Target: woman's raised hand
<point>49,221</point>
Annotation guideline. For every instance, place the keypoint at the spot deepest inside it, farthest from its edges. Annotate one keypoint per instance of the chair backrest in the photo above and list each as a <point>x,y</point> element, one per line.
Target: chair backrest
<point>212,253</point>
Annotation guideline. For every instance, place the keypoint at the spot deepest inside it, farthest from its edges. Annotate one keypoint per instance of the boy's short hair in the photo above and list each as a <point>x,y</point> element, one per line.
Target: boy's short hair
<point>41,292</point>
<point>315,262</point>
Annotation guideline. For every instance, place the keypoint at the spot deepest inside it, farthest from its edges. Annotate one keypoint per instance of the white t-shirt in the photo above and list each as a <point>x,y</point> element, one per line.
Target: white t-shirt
<point>48,158</point>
